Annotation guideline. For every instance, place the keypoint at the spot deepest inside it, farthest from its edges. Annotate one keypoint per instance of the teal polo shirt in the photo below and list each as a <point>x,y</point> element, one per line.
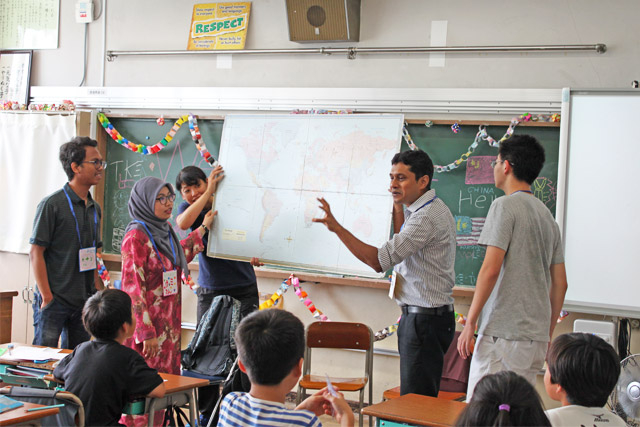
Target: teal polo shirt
<point>54,227</point>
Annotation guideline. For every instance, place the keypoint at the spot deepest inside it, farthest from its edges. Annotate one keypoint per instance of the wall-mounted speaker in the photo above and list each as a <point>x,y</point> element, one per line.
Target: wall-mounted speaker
<point>323,20</point>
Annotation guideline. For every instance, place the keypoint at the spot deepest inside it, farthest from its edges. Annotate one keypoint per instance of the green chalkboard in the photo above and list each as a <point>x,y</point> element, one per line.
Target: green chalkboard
<point>469,190</point>
<point>125,167</point>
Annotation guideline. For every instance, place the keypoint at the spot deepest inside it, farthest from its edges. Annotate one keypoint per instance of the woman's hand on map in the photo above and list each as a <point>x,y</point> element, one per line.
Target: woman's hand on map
<point>256,262</point>
<point>329,220</point>
<point>207,221</point>
<point>214,177</point>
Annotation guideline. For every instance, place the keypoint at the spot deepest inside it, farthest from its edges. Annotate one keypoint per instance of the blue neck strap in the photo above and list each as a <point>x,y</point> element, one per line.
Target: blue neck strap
<point>95,220</point>
<point>153,242</point>
<point>429,202</point>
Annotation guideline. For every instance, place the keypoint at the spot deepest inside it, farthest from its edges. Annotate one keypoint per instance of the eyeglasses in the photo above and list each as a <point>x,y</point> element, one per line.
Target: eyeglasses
<point>495,162</point>
<point>164,199</point>
<point>99,164</point>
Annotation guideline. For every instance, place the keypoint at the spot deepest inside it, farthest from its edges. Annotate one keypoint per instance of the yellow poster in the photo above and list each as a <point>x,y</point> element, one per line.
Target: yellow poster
<point>219,26</point>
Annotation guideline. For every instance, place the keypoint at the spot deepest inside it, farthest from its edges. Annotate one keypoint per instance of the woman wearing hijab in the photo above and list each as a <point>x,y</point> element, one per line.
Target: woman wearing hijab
<point>153,263</point>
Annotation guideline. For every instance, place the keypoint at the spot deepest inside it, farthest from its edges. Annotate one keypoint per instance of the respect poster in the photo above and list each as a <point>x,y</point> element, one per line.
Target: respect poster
<point>219,26</point>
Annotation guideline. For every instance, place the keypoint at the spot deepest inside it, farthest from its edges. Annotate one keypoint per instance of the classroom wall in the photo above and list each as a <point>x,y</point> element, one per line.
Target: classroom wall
<point>163,25</point>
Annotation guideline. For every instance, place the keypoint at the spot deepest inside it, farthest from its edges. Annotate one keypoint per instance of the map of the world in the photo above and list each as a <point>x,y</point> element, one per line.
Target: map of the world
<point>276,166</point>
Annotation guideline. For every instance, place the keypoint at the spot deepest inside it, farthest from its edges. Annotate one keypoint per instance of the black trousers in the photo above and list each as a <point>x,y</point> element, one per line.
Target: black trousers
<point>423,339</point>
<point>247,295</point>
<point>249,302</point>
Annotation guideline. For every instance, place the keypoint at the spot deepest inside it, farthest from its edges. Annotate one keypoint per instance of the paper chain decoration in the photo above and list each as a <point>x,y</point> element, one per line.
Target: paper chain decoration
<point>302,295</point>
<point>140,148</point>
<point>391,329</point>
<point>481,135</point>
<point>102,271</point>
<point>197,139</point>
<point>146,150</point>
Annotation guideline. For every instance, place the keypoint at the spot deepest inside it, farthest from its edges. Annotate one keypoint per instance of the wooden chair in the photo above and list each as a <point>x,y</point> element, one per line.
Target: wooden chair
<point>455,376</point>
<point>338,335</point>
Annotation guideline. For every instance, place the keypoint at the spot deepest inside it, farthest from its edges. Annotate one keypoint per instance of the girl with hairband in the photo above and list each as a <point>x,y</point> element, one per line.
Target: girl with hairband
<point>503,399</point>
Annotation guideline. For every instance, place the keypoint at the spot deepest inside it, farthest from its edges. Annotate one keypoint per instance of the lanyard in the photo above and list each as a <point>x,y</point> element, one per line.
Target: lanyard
<point>153,242</point>
<point>429,202</point>
<point>95,219</point>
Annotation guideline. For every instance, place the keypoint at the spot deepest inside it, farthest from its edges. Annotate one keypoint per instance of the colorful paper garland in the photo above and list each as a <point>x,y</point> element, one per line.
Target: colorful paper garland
<point>102,271</point>
<point>302,295</point>
<point>197,139</point>
<point>481,135</point>
<point>140,148</point>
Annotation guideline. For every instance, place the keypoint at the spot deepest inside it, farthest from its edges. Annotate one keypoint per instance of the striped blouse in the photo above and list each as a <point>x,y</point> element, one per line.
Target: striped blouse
<point>242,409</point>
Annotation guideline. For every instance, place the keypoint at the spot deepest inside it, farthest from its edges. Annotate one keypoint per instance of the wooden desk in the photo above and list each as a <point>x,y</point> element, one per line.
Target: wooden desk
<point>179,391</point>
<point>416,410</point>
<point>20,416</point>
<point>47,365</point>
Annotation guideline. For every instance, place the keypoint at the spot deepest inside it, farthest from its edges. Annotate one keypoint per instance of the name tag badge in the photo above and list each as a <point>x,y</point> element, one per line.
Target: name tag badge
<point>87,257</point>
<point>392,288</point>
<point>396,284</point>
<point>169,283</point>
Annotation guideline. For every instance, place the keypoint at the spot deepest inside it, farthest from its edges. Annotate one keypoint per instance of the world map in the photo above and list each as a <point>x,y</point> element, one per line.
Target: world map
<point>276,166</point>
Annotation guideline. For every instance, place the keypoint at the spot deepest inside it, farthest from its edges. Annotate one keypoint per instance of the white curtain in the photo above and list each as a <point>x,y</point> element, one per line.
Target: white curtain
<point>29,170</point>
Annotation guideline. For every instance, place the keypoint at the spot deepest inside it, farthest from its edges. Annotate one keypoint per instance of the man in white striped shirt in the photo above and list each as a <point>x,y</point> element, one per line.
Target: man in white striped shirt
<point>422,252</point>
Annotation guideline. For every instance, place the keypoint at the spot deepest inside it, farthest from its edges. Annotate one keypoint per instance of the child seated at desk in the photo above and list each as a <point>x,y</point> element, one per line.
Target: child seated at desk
<point>503,399</point>
<point>581,373</point>
<point>103,373</point>
<point>270,348</point>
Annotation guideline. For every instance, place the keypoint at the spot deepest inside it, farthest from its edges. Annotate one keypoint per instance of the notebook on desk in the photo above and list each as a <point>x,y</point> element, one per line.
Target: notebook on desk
<point>7,403</point>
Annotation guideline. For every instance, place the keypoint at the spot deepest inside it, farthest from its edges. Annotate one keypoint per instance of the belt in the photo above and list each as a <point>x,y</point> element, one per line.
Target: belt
<point>437,311</point>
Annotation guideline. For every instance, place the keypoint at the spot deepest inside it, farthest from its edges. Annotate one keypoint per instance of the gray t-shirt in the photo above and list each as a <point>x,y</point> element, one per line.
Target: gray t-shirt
<point>519,307</point>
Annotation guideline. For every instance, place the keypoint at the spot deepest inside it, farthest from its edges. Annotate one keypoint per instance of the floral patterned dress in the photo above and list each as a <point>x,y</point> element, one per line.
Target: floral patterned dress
<point>156,316</point>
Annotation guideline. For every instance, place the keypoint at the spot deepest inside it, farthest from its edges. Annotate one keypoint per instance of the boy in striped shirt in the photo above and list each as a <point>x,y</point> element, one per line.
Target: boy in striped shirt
<point>270,348</point>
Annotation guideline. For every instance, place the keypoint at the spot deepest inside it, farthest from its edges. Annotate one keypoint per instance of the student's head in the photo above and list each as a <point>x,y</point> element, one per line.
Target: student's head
<point>191,182</point>
<point>584,367</point>
<point>270,345</point>
<point>411,174</point>
<point>524,154</point>
<point>105,313</point>
<point>503,399</point>
<point>81,160</point>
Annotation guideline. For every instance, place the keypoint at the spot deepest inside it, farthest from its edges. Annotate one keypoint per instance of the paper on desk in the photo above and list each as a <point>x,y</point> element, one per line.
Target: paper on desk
<point>25,352</point>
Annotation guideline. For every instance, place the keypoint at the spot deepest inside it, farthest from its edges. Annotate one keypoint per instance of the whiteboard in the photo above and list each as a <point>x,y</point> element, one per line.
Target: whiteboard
<point>601,208</point>
<point>276,166</point>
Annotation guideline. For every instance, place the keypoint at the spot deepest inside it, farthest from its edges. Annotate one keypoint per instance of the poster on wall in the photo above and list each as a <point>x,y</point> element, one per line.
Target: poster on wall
<point>219,26</point>
<point>29,24</point>
<point>15,72</point>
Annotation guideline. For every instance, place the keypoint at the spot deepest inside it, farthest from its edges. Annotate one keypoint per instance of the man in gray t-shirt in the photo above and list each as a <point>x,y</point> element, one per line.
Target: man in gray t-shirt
<point>522,282</point>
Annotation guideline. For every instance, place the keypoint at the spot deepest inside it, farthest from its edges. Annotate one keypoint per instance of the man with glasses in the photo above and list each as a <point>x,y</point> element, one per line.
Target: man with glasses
<point>65,238</point>
<point>522,282</point>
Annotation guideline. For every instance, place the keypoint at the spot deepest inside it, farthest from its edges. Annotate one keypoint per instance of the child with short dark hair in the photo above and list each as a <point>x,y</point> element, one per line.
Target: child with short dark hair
<point>582,371</point>
<point>503,399</point>
<point>270,348</point>
<point>103,373</point>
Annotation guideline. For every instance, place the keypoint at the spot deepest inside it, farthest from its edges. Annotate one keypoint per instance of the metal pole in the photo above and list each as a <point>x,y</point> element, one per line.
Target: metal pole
<point>351,52</point>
